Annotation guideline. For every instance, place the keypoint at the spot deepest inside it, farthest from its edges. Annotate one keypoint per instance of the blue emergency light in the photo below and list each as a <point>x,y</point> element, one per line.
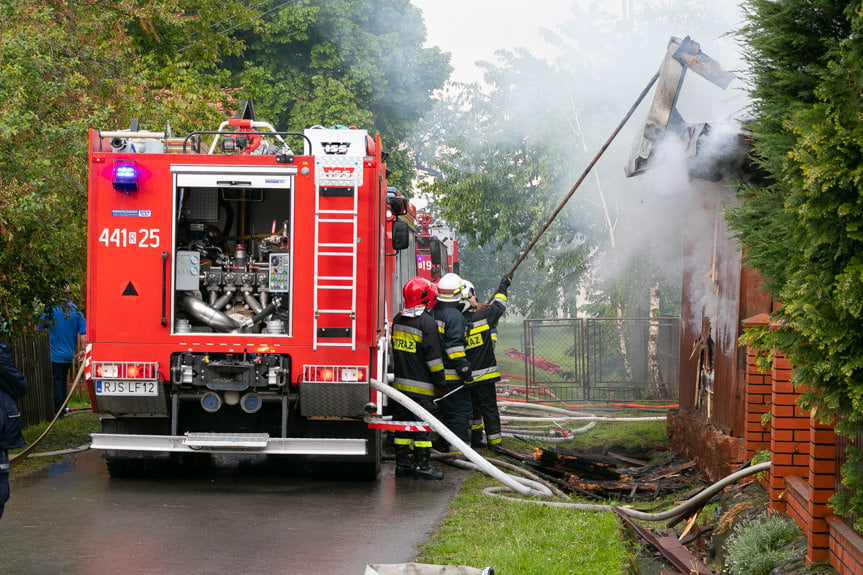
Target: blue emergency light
<point>125,177</point>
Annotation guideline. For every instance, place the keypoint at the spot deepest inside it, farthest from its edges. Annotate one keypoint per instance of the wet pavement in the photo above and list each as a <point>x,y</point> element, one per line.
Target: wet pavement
<point>245,517</point>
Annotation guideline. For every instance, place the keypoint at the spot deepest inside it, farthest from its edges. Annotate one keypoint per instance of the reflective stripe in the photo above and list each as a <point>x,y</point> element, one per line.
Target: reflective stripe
<point>402,440</point>
<point>476,426</point>
<point>451,375</point>
<point>414,386</point>
<point>408,330</point>
<point>422,444</point>
<point>495,441</point>
<point>486,373</point>
<point>500,297</point>
<point>435,365</point>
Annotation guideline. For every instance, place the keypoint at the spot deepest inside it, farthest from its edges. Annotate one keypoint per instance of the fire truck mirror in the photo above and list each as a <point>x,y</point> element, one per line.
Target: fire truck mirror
<point>434,250</point>
<point>401,235</point>
<point>398,205</point>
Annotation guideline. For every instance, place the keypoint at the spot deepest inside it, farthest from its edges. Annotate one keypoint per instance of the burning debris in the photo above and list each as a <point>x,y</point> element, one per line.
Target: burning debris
<point>613,475</point>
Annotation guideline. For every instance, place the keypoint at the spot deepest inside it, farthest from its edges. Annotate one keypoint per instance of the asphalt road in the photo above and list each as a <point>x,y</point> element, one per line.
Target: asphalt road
<point>237,517</point>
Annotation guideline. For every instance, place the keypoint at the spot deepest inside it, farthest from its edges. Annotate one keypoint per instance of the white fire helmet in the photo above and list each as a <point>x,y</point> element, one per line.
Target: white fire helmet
<point>449,288</point>
<point>469,291</point>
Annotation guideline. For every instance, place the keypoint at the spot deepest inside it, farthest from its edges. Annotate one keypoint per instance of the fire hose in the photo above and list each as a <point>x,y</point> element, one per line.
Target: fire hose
<point>534,488</point>
<point>517,484</point>
<point>561,434</point>
<point>690,504</point>
<point>19,457</point>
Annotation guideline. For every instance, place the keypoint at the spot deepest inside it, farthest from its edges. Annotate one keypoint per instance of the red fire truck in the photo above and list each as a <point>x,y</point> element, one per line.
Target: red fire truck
<point>238,293</point>
<point>433,257</point>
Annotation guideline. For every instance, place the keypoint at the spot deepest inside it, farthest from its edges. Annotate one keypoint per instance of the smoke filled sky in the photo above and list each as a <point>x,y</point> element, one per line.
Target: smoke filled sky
<point>472,30</point>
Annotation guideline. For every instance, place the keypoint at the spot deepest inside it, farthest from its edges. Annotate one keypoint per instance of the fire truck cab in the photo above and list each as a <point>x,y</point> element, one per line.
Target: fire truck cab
<point>238,292</point>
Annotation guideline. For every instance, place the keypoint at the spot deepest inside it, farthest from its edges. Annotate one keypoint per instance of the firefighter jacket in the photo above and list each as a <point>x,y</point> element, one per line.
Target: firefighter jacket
<point>481,335</point>
<point>451,327</point>
<point>417,360</point>
<point>13,385</point>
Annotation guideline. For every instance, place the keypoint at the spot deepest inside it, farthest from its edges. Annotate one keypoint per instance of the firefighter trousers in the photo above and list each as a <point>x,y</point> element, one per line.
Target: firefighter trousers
<point>402,413</point>
<point>457,409</point>
<point>483,397</point>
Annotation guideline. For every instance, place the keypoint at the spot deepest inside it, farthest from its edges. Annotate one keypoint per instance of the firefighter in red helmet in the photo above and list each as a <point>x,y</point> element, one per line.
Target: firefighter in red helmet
<point>418,368</point>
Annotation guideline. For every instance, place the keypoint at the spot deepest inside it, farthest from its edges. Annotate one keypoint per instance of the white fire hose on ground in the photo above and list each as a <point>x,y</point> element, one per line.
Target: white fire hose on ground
<point>517,484</point>
<point>533,488</point>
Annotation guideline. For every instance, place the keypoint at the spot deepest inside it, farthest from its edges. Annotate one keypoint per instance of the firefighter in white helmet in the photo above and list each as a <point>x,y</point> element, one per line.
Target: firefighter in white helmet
<point>418,371</point>
<point>482,322</point>
<point>455,404</point>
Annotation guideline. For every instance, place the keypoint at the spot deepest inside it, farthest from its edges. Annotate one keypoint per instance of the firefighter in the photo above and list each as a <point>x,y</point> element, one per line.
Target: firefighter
<point>418,367</point>
<point>13,385</point>
<point>481,334</point>
<point>455,403</point>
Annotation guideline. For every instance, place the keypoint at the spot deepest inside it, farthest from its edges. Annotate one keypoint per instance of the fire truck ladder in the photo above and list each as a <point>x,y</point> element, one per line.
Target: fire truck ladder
<point>336,178</point>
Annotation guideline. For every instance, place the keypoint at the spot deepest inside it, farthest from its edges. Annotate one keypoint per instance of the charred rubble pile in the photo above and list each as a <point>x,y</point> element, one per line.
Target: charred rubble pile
<point>617,474</point>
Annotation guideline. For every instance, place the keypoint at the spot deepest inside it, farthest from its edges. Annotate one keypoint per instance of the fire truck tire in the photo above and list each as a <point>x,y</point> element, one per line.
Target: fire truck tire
<point>369,470</point>
<point>133,465</point>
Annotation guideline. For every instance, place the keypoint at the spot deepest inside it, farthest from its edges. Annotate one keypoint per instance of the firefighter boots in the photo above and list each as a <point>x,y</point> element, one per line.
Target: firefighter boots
<point>404,461</point>
<point>423,469</point>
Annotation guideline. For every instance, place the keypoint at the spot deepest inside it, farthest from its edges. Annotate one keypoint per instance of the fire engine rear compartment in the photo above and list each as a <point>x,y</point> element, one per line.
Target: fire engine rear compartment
<point>239,361</point>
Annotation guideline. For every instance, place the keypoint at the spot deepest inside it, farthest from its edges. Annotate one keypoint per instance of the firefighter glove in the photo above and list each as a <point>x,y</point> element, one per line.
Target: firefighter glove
<point>504,284</point>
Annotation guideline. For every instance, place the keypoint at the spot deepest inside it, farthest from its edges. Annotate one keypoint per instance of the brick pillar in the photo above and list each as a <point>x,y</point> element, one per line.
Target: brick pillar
<point>789,437</point>
<point>823,470</point>
<point>757,397</point>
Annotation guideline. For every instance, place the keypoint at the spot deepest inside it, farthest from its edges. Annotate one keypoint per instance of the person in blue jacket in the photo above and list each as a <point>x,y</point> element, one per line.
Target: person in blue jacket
<point>13,385</point>
<point>67,327</point>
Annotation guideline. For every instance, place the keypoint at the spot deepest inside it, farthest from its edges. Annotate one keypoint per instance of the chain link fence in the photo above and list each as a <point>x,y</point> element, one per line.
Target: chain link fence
<point>594,359</point>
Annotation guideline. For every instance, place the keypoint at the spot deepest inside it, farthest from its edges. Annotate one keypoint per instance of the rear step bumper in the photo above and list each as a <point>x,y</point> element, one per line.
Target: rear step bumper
<point>229,443</point>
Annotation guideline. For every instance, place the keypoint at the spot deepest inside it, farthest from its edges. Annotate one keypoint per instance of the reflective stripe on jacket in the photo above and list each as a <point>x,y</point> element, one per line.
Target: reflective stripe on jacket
<point>451,328</point>
<point>480,334</point>
<point>417,358</point>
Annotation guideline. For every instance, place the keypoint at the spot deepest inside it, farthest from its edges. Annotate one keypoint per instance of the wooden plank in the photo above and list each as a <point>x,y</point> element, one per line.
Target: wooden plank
<point>684,557</point>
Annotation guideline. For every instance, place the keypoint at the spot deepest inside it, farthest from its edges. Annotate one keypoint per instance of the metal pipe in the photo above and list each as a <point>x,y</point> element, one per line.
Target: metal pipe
<point>204,313</point>
<point>586,171</point>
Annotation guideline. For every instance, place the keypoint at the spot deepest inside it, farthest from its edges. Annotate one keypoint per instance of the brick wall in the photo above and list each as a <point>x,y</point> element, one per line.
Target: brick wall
<point>804,470</point>
<point>758,396</point>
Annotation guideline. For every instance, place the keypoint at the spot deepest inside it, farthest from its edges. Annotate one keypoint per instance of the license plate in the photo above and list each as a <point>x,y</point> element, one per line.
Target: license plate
<point>126,388</point>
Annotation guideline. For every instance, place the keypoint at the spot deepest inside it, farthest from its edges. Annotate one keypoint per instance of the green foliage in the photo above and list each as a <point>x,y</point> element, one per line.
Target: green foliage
<point>849,501</point>
<point>65,68</point>
<point>803,231</point>
<point>754,548</point>
<point>507,152</point>
<point>759,342</point>
<point>327,62</point>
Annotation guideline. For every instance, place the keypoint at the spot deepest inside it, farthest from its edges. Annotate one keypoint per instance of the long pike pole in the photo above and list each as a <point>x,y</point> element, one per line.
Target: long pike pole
<point>586,171</point>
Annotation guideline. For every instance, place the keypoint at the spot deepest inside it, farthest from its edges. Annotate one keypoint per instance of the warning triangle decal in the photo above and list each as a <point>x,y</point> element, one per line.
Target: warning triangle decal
<point>130,290</point>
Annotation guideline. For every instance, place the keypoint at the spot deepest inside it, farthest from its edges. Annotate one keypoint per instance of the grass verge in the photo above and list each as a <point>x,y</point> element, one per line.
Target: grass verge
<point>69,432</point>
<point>525,539</point>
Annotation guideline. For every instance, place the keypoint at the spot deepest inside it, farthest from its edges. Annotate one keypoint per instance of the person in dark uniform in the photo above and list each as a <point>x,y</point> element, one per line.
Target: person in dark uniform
<point>13,385</point>
<point>455,403</point>
<point>481,329</point>
<point>418,370</point>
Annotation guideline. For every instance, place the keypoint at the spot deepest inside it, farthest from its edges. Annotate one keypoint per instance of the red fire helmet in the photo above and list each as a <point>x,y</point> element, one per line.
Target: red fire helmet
<point>419,291</point>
